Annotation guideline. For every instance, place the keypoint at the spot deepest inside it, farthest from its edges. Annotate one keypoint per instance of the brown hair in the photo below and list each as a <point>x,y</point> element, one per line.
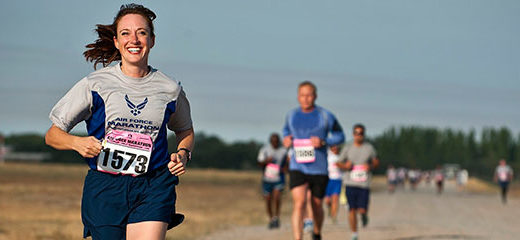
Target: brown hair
<point>103,50</point>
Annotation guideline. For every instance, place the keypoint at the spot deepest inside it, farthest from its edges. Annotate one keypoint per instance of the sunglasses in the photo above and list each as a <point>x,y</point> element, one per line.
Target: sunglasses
<point>359,133</point>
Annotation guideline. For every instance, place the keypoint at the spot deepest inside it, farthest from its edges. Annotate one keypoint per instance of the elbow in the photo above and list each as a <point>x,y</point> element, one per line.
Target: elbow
<point>48,141</point>
<point>51,137</point>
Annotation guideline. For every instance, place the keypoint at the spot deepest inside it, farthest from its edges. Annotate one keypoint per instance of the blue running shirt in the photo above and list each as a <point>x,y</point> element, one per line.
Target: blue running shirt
<point>320,123</point>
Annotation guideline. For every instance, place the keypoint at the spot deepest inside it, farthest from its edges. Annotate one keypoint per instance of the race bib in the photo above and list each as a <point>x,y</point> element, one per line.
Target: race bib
<point>125,153</point>
<point>439,177</point>
<point>359,173</point>
<point>272,172</point>
<point>334,171</point>
<point>392,176</point>
<point>502,176</point>
<point>303,151</point>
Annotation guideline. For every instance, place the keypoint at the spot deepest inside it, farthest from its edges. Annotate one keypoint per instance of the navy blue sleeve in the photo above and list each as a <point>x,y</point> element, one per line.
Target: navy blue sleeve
<point>335,134</point>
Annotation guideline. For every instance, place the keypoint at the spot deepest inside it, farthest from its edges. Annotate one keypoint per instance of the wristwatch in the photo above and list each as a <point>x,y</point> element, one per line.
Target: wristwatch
<point>188,153</point>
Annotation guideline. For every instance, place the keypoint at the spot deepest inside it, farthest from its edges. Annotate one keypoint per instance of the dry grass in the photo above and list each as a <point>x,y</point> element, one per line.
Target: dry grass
<point>216,200</point>
<point>43,201</point>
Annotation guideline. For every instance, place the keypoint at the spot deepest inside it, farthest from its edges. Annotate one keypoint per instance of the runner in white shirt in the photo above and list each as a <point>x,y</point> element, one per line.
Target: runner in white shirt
<point>334,185</point>
<point>272,159</point>
<point>414,176</point>
<point>391,176</point>
<point>462,179</point>
<point>401,176</point>
<point>503,176</point>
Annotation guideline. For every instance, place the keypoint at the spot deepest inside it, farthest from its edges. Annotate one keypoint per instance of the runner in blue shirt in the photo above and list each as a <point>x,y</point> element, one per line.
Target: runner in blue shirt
<point>129,191</point>
<point>308,130</point>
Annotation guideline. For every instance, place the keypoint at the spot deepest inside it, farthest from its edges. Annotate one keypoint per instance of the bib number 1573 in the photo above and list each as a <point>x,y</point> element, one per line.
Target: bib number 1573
<point>125,153</point>
<point>122,161</point>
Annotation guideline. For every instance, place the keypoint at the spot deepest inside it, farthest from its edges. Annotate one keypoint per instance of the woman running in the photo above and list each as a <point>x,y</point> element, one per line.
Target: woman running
<point>129,190</point>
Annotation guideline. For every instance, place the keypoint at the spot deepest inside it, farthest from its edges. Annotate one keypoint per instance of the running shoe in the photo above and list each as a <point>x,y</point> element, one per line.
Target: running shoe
<point>364,219</point>
<point>276,222</point>
<point>308,225</point>
<point>316,236</point>
<point>271,224</point>
<point>354,237</point>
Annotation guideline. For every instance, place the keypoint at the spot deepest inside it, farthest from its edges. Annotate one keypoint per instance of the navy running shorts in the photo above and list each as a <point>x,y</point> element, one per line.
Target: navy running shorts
<point>357,197</point>
<point>110,202</point>
<point>503,184</point>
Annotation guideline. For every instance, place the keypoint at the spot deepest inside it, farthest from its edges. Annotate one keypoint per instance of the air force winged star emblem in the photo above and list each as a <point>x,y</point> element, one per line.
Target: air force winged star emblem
<point>135,110</point>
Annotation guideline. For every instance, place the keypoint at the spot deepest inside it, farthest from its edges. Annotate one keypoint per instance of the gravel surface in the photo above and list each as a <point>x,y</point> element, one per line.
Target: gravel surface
<point>412,215</point>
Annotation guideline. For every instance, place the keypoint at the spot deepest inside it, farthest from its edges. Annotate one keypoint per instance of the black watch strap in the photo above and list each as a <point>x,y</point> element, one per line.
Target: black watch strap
<point>187,151</point>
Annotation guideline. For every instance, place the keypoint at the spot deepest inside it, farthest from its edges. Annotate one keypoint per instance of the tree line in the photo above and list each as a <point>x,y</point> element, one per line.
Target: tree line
<point>425,148</point>
<point>412,147</point>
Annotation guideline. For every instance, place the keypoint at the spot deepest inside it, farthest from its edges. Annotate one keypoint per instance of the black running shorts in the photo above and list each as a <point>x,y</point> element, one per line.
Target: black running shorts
<point>317,183</point>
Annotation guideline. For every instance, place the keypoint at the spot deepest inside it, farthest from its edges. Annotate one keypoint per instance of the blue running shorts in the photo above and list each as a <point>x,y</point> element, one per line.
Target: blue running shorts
<point>268,187</point>
<point>333,187</point>
<point>110,202</point>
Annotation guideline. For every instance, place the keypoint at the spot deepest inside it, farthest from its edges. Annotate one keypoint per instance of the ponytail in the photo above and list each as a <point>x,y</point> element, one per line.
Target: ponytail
<point>103,49</point>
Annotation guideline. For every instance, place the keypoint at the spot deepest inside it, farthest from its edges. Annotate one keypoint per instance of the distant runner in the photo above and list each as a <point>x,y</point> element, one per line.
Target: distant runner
<point>2,149</point>
<point>359,158</point>
<point>308,130</point>
<point>272,158</point>
<point>503,175</point>
<point>334,185</point>
<point>462,179</point>
<point>414,176</point>
<point>401,176</point>
<point>391,176</point>
<point>438,177</point>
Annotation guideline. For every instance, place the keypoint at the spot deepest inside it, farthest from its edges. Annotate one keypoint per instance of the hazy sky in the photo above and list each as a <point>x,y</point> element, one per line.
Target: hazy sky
<point>442,63</point>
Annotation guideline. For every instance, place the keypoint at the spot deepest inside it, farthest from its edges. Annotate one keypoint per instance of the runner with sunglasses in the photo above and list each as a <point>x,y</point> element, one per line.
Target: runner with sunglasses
<point>359,159</point>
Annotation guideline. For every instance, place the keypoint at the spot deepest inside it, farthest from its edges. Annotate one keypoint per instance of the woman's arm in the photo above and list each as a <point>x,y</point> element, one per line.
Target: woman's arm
<point>185,139</point>
<point>86,146</point>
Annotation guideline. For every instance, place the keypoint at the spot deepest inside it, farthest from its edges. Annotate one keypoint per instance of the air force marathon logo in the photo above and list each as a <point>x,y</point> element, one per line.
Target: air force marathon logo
<point>136,110</point>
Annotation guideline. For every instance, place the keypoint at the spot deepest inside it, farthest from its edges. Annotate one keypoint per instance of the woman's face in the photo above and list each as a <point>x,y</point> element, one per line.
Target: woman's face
<point>134,40</point>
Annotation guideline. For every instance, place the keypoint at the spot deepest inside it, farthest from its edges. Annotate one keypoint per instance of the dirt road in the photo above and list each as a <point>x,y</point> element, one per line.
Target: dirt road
<point>413,215</point>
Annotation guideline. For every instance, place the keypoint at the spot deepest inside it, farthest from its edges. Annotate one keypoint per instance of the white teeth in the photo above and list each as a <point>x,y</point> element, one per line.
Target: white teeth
<point>134,50</point>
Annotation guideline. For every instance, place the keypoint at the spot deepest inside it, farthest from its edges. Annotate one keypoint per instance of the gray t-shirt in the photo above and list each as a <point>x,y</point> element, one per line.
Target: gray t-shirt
<point>279,156</point>
<point>360,156</point>
<point>109,100</point>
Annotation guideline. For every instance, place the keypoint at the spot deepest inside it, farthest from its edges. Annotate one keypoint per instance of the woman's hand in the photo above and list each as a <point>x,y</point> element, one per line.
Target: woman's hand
<point>177,164</point>
<point>87,147</point>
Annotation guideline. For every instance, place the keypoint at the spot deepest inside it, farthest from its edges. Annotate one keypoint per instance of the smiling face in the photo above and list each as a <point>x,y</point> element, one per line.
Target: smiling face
<point>134,40</point>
